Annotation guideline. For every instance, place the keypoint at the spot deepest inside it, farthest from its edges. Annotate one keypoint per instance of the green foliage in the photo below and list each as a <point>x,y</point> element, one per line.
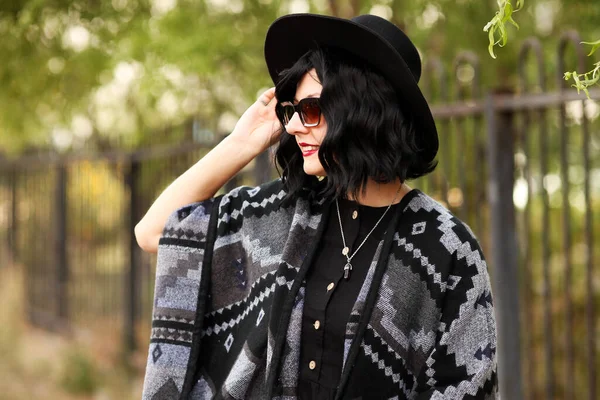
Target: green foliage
<point>595,46</point>
<point>496,28</point>
<point>584,81</point>
<point>79,375</point>
<point>498,36</point>
<point>97,75</point>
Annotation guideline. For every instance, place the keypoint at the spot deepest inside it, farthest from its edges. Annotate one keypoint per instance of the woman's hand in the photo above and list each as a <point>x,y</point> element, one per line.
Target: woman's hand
<point>256,130</point>
<point>259,127</point>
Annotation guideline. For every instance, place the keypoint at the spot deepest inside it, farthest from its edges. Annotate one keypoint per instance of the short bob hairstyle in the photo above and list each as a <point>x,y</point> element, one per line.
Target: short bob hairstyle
<point>367,136</point>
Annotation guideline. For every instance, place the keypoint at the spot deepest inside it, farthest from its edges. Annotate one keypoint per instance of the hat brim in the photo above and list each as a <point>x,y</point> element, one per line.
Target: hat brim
<point>291,36</point>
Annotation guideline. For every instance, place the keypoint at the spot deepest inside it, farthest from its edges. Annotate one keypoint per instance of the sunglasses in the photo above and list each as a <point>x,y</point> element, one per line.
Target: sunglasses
<point>308,109</point>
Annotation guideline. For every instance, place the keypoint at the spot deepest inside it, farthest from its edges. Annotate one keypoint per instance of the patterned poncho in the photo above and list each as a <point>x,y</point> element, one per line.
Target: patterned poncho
<point>229,295</point>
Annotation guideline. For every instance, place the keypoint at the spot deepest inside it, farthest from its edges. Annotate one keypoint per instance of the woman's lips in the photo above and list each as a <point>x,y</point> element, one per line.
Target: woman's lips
<point>308,149</point>
<point>306,153</point>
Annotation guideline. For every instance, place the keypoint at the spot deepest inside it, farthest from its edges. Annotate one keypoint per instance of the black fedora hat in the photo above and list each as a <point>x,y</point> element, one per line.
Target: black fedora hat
<point>375,40</point>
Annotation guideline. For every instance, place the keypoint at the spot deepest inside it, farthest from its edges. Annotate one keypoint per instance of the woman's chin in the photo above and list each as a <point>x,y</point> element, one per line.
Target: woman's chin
<point>312,165</point>
<point>314,171</point>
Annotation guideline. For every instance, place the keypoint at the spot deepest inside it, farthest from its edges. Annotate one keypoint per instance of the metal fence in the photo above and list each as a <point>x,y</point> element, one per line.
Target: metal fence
<point>522,169</point>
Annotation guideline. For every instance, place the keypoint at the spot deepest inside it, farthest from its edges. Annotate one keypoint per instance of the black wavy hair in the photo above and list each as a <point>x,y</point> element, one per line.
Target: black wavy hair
<point>368,136</point>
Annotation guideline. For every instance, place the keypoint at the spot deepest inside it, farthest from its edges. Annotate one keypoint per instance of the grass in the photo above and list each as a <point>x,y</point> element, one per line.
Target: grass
<point>36,364</point>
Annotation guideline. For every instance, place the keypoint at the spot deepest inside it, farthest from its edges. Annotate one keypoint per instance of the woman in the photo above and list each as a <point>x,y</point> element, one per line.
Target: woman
<point>337,280</point>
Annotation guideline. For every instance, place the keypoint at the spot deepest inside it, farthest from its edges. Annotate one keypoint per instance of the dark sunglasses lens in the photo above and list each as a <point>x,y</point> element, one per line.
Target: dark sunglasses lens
<point>311,111</point>
<point>288,112</point>
<point>285,113</point>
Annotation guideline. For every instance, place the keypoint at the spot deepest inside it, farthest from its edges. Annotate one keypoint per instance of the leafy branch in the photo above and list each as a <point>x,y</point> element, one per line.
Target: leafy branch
<point>591,78</point>
<point>498,36</point>
<point>496,28</point>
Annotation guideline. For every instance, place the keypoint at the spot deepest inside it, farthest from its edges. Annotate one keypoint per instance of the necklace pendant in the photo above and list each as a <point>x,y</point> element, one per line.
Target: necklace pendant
<point>345,251</point>
<point>347,270</point>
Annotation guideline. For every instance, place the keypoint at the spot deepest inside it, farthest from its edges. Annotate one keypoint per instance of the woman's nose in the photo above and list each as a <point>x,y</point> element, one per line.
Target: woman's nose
<point>295,125</point>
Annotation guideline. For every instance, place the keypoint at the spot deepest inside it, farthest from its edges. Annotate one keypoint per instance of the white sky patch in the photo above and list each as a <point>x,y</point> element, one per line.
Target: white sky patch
<point>577,200</point>
<point>520,193</point>
<point>236,6</point>
<point>575,111</point>
<point>430,16</point>
<point>62,138</point>
<point>105,119</point>
<point>520,159</point>
<point>299,6</point>
<point>168,104</point>
<point>108,94</point>
<point>552,183</point>
<point>233,6</point>
<point>227,122</point>
<point>592,109</point>
<point>76,38</point>
<point>125,73</point>
<point>576,108</point>
<point>120,5</point>
<point>161,7</point>
<point>81,126</point>
<point>544,16</point>
<point>126,124</point>
<point>218,4</point>
<point>51,26</point>
<point>465,73</point>
<point>56,65</point>
<point>173,75</point>
<point>112,26</point>
<point>382,11</point>
<point>115,91</point>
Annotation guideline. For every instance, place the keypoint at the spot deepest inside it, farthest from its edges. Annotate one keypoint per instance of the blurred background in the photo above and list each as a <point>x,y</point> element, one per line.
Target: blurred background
<point>104,102</point>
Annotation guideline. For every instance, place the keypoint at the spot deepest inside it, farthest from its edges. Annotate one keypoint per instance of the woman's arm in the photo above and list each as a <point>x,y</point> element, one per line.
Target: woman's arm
<point>257,129</point>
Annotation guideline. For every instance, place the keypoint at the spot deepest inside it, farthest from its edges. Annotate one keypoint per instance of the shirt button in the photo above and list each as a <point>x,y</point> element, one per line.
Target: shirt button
<point>317,324</point>
<point>312,365</point>
<point>355,214</point>
<point>330,286</point>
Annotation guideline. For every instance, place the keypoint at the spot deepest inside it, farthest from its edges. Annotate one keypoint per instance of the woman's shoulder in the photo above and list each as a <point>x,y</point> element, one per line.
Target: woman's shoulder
<point>428,222</point>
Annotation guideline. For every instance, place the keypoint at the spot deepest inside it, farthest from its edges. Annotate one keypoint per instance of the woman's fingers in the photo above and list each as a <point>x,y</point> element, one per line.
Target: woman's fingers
<point>267,97</point>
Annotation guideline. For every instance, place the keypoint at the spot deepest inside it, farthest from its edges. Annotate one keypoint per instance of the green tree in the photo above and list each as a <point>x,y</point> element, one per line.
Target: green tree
<point>95,75</point>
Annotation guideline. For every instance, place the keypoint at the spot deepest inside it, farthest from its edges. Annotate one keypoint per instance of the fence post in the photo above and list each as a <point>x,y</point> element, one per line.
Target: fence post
<point>501,141</point>
<point>60,242</point>
<point>262,168</point>
<point>13,214</point>
<point>132,276</point>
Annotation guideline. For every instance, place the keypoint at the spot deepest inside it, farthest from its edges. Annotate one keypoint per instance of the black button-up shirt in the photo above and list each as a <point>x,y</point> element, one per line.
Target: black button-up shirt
<point>330,297</point>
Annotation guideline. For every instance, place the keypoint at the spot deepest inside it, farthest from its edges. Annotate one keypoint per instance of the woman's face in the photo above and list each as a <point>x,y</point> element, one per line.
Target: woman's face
<point>308,138</point>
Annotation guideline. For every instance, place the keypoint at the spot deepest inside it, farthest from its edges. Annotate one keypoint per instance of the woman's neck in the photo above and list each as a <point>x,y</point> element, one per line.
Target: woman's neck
<point>381,194</point>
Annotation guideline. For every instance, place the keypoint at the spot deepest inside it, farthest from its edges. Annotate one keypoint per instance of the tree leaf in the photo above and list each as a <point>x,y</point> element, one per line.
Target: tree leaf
<point>492,43</point>
<point>595,46</point>
<point>519,4</point>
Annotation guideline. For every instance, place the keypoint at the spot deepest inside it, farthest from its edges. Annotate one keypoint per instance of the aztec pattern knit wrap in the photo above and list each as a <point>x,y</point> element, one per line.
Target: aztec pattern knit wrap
<point>230,292</point>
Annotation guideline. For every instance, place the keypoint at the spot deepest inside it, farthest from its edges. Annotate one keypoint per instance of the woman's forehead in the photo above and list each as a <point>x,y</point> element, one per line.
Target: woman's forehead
<point>309,86</point>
